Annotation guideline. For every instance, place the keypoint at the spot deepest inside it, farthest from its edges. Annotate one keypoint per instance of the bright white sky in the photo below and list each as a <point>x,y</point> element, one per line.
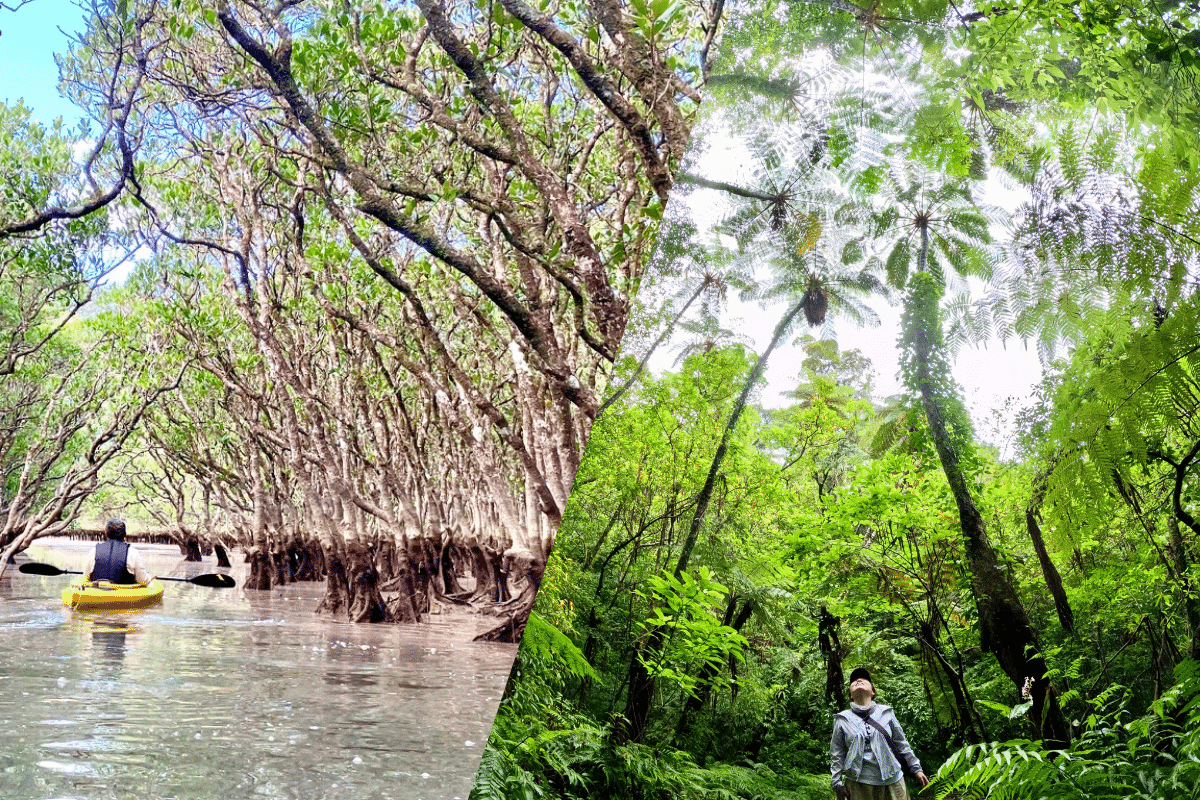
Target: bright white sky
<point>989,375</point>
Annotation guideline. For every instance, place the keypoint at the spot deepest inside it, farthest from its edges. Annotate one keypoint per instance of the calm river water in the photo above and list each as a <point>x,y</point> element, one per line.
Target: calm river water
<point>233,694</point>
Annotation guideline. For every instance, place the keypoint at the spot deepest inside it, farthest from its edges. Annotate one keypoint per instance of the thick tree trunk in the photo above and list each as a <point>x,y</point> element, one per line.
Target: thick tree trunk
<point>283,570</point>
<point>366,603</point>
<point>520,566</point>
<point>449,570</point>
<point>191,549</point>
<point>496,577</point>
<point>422,581</point>
<point>1005,629</point>
<point>312,562</point>
<point>259,577</point>
<point>485,575</point>
<point>222,556</point>
<point>427,561</point>
<point>337,589</point>
<point>400,576</point>
<point>389,561</point>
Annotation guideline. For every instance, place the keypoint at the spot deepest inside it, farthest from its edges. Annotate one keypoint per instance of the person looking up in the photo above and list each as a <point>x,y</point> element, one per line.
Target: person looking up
<point>868,746</point>
<point>115,561</point>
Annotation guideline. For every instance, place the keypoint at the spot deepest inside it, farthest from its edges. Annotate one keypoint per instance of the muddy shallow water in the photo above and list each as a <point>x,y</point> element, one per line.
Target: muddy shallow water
<point>228,693</point>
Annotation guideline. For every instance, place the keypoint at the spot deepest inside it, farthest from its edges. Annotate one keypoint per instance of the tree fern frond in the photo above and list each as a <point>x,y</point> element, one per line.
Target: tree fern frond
<point>544,643</point>
<point>1112,759</point>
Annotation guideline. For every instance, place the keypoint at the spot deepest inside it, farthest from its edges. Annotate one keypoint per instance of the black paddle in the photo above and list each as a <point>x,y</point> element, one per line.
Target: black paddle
<point>214,580</point>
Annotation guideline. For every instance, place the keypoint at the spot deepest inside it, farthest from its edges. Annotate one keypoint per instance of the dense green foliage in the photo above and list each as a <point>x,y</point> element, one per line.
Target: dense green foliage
<point>1049,599</point>
<point>71,392</point>
<point>1118,755</point>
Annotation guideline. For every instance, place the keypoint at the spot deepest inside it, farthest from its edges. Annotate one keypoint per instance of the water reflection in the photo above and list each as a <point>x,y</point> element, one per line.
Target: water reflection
<point>225,693</point>
<point>350,679</point>
<point>108,638</point>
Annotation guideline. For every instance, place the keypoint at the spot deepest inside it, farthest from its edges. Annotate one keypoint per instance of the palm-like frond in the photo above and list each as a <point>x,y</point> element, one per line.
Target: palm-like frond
<point>785,181</point>
<point>1154,757</point>
<point>1092,235</point>
<point>809,265</point>
<point>706,334</point>
<point>1130,391</point>
<point>933,224</point>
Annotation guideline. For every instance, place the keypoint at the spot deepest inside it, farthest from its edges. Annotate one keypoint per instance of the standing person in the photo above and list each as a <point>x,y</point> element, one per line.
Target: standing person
<point>115,561</point>
<point>867,747</point>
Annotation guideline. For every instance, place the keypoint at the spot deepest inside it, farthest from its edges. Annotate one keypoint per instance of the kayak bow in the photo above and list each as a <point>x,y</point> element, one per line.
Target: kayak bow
<point>103,594</point>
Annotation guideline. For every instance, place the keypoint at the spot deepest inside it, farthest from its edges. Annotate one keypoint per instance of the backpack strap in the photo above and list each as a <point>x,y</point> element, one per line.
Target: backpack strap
<point>887,737</point>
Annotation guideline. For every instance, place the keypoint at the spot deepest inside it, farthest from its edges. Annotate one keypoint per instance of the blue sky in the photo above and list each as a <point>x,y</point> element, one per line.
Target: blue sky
<point>29,37</point>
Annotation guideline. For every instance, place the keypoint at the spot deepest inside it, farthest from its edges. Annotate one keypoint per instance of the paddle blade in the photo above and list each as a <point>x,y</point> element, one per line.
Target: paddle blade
<point>213,580</point>
<point>33,568</point>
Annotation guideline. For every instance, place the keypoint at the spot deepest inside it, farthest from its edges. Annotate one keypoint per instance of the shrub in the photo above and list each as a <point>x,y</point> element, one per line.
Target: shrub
<point>1154,757</point>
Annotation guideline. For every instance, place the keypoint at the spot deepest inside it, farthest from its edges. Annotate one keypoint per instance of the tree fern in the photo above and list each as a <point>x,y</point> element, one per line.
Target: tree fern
<point>499,778</point>
<point>1131,390</point>
<point>544,644</point>
<point>759,782</point>
<point>1152,757</point>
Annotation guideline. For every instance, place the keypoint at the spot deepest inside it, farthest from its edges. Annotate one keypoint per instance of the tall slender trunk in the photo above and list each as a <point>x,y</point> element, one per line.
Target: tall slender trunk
<point>1053,580</point>
<point>1005,629</point>
<point>709,671</point>
<point>1179,551</point>
<point>714,469</point>
<point>1191,603</point>
<point>641,682</point>
<point>623,388</point>
<point>261,569</point>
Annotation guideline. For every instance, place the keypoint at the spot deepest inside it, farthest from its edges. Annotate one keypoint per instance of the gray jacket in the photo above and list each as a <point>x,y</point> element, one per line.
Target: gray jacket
<point>850,736</point>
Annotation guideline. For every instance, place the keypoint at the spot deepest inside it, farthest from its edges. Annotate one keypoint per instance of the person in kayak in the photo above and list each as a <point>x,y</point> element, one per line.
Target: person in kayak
<point>115,561</point>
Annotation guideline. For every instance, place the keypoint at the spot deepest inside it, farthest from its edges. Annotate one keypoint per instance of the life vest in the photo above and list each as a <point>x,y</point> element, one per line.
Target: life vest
<point>110,562</point>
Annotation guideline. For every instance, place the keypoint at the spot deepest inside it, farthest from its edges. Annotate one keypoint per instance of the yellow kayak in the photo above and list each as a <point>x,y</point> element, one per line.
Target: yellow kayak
<point>103,594</point>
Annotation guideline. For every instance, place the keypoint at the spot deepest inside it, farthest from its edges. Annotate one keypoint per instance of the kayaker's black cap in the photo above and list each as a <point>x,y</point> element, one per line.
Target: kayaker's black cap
<point>115,529</point>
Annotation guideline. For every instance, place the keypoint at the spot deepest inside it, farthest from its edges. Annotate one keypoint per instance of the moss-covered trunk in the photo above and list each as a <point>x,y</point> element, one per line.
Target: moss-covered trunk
<point>1005,629</point>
